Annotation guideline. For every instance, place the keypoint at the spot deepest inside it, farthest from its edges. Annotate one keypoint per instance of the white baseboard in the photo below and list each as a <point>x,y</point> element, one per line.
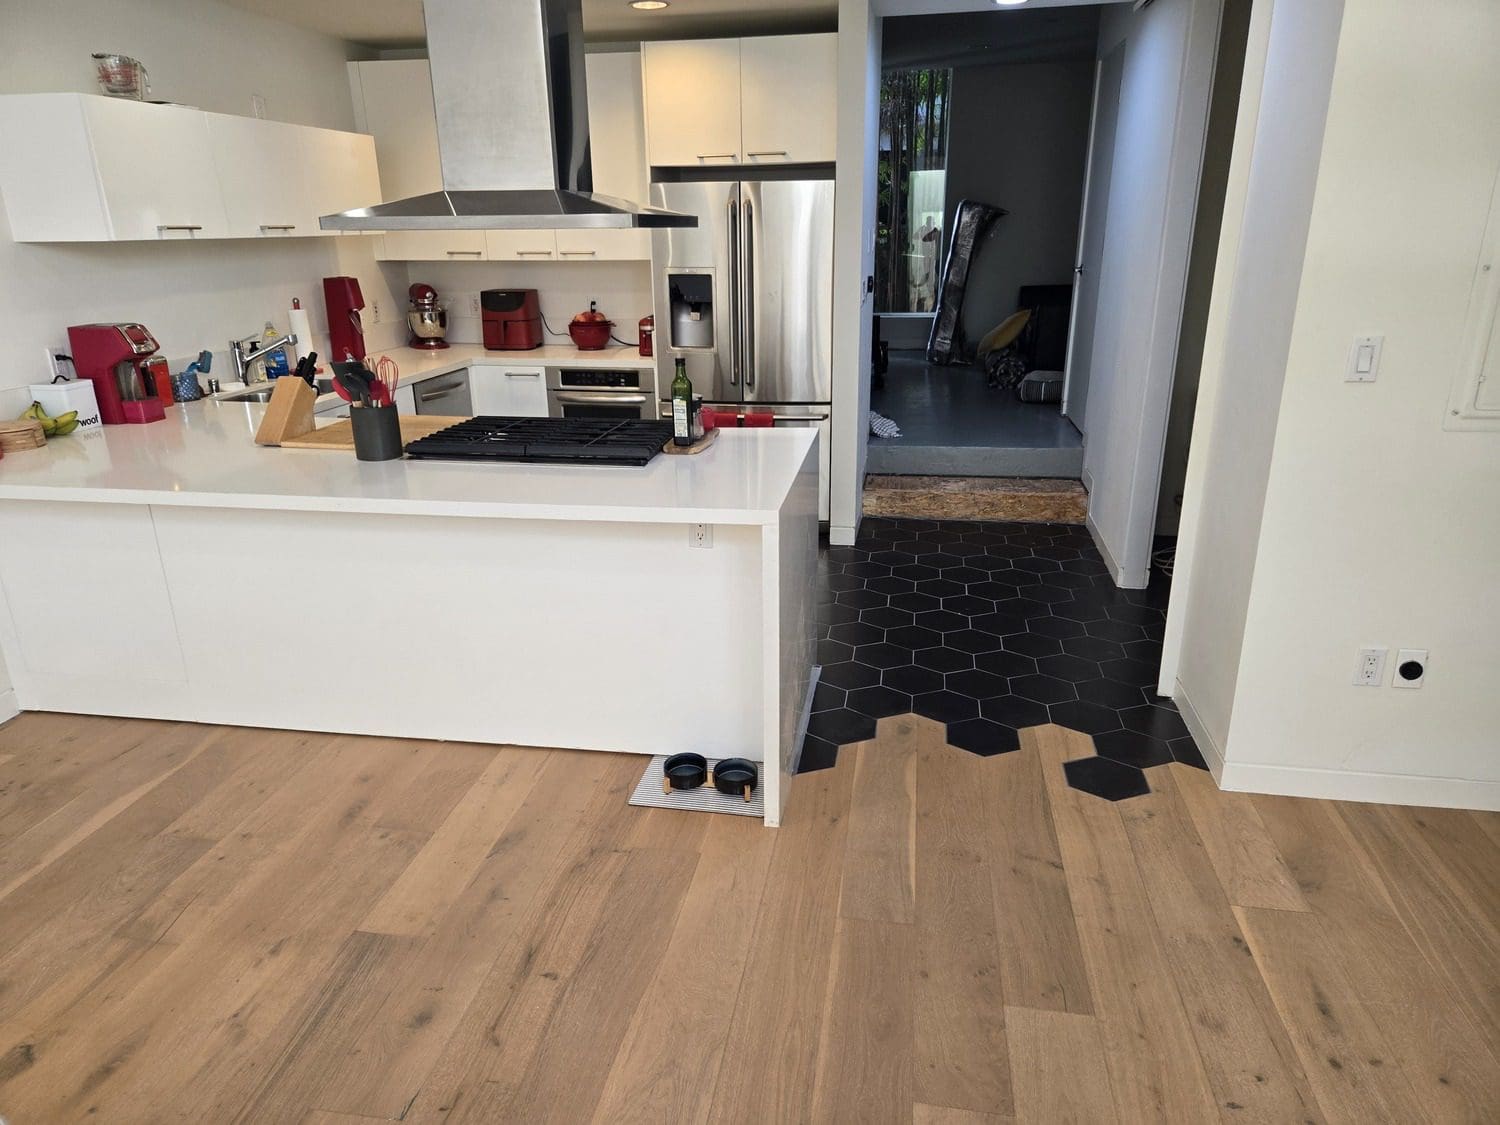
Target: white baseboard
<point>1121,578</point>
<point>1349,785</point>
<point>842,536</point>
<point>9,708</point>
<point>1335,785</point>
<point>1212,754</point>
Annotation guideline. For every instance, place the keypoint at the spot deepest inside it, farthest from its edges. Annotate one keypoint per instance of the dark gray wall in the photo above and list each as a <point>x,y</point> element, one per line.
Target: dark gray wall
<point>1018,138</point>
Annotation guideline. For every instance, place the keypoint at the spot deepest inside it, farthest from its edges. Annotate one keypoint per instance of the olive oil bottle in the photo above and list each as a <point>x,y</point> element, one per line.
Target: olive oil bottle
<point>682,405</point>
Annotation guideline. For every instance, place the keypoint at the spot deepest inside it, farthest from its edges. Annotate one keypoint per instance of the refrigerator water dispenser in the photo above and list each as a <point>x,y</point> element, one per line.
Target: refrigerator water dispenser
<point>690,298</point>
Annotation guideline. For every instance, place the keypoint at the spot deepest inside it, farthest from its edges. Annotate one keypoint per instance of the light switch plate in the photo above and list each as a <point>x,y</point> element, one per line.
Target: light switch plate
<point>1364,359</point>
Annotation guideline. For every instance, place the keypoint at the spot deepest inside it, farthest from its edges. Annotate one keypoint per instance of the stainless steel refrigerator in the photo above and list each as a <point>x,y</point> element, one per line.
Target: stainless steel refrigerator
<point>746,297</point>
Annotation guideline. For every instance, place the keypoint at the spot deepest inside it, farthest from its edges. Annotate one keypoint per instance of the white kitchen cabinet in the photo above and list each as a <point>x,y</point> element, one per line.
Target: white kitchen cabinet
<point>788,91</point>
<point>406,399</point>
<point>693,102</point>
<point>266,194</point>
<point>339,172</point>
<point>514,392</point>
<point>85,168</point>
<point>520,246</point>
<point>393,102</point>
<point>765,100</point>
<point>604,245</point>
<point>431,246</point>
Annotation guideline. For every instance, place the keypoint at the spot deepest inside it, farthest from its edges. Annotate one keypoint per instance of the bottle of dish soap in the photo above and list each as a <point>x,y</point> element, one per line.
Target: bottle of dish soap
<point>275,361</point>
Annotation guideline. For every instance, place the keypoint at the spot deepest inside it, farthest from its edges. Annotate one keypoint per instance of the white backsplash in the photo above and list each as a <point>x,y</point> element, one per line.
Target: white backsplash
<point>622,290</point>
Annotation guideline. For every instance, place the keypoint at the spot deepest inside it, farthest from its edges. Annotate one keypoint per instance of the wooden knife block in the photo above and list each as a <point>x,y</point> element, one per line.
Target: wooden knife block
<point>289,414</point>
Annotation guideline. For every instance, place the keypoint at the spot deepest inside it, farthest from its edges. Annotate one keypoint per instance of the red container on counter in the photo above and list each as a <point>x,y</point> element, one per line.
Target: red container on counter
<point>591,335</point>
<point>647,329</point>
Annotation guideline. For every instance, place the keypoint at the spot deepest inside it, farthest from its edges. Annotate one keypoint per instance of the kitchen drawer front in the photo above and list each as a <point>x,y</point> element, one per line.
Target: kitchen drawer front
<point>514,392</point>
<point>431,246</point>
<point>520,245</point>
<point>445,394</point>
<point>604,245</point>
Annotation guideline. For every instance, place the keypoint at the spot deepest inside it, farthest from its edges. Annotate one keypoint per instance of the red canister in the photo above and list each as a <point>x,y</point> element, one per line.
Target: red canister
<point>647,329</point>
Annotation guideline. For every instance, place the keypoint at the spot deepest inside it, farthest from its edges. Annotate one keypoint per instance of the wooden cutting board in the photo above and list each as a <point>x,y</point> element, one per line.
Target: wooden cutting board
<point>340,435</point>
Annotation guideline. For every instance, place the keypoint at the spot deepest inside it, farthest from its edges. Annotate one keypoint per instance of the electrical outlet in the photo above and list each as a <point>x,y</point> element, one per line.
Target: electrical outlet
<point>56,365</point>
<point>1411,668</point>
<point>1370,671</point>
<point>375,312</point>
<point>474,309</point>
<point>700,535</point>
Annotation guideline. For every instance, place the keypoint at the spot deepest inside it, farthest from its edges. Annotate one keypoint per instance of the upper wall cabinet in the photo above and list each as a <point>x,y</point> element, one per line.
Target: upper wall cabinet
<point>85,168</point>
<point>715,102</point>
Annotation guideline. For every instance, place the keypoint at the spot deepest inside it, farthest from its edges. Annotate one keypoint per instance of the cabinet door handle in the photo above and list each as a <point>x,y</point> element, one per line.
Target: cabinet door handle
<point>523,374</point>
<point>768,152</point>
<point>717,155</point>
<point>278,226</point>
<point>533,253</point>
<point>176,226</point>
<point>439,392</point>
<point>455,253</point>
<point>578,253</point>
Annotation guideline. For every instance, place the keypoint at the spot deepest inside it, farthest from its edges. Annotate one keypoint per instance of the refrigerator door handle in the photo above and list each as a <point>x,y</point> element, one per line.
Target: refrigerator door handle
<point>747,287</point>
<point>734,292</point>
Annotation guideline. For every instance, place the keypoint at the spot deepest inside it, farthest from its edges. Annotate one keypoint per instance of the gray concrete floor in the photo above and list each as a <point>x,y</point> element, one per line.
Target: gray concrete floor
<point>954,425</point>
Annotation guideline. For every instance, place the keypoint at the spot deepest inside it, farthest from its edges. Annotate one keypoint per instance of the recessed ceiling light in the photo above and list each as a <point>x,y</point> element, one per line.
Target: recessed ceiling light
<point>648,5</point>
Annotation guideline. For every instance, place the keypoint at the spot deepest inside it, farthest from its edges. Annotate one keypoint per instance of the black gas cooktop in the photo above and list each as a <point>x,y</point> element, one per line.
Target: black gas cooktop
<point>555,441</point>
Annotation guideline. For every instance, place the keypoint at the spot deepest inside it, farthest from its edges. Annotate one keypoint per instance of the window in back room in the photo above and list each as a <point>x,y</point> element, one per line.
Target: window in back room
<point>912,177</point>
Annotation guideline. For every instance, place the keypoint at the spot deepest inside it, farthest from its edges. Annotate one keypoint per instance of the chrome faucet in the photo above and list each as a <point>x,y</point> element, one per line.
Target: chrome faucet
<point>242,359</point>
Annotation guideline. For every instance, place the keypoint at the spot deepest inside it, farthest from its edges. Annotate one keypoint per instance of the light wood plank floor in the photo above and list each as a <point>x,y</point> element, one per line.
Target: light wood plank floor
<point>204,924</point>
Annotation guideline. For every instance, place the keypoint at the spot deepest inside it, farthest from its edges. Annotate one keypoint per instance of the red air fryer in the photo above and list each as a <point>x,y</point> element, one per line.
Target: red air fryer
<point>343,300</point>
<point>512,319</point>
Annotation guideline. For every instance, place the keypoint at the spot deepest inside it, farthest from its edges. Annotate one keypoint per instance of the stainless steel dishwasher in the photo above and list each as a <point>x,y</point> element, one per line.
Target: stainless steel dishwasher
<point>446,394</point>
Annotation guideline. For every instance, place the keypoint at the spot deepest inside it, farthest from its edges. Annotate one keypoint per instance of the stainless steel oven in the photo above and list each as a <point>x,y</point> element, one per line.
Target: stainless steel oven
<point>586,392</point>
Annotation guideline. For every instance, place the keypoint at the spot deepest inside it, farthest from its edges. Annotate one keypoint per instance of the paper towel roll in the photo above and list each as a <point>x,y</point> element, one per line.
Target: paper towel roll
<point>300,327</point>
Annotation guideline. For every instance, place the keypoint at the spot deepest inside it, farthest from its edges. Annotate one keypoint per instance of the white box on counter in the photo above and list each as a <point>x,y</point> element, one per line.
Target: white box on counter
<point>59,398</point>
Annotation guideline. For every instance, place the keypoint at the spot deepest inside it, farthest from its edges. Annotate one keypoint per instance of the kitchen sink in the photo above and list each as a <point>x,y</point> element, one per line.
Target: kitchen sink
<point>256,395</point>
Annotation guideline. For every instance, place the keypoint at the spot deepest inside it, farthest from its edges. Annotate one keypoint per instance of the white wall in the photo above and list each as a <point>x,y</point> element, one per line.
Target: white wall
<point>1164,95</point>
<point>853,260</point>
<point>1255,296</point>
<point>1378,527</point>
<point>191,296</point>
<point>8,708</point>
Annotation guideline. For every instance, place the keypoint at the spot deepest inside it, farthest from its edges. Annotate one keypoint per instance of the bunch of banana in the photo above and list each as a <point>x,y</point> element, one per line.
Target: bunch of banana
<point>52,427</point>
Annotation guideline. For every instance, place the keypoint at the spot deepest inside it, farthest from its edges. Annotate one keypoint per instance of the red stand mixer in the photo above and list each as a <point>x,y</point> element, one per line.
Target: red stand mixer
<point>131,382</point>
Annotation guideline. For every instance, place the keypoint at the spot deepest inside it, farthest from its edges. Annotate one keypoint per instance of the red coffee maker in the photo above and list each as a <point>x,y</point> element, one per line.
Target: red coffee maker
<point>129,378</point>
<point>346,333</point>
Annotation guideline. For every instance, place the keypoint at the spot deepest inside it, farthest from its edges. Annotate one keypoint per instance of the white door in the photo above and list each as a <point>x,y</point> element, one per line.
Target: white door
<point>258,164</point>
<point>339,173</point>
<point>431,246</point>
<point>1091,239</point>
<point>520,245</point>
<point>787,98</point>
<point>604,245</point>
<point>145,197</point>
<point>692,102</point>
<point>511,392</point>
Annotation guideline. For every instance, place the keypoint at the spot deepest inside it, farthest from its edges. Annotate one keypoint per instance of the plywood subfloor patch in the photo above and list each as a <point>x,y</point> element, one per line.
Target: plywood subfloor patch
<point>1020,499</point>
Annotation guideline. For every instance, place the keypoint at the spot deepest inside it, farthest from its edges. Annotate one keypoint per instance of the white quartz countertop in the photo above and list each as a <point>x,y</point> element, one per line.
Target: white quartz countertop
<point>204,455</point>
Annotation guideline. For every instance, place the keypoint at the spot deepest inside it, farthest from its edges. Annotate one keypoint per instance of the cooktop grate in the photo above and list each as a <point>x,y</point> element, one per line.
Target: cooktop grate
<point>560,441</point>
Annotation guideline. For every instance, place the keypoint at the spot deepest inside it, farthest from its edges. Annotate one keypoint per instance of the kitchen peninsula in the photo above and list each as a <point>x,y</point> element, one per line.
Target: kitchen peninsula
<point>178,571</point>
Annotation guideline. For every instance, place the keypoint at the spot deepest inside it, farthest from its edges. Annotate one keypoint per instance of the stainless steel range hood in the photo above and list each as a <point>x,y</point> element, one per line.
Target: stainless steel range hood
<point>513,127</point>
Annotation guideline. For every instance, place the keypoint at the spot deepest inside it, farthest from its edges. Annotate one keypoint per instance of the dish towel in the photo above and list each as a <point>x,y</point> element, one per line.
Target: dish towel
<point>881,426</point>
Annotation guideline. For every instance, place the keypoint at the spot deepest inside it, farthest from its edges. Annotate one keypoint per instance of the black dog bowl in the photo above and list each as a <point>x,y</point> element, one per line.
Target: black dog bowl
<point>685,771</point>
<point>736,777</point>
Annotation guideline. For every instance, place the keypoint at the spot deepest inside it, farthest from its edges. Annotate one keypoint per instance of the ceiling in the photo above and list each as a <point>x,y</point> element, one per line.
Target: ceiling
<point>398,23</point>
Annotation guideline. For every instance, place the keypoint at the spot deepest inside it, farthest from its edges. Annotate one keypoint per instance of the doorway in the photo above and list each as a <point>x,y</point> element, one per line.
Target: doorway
<point>992,108</point>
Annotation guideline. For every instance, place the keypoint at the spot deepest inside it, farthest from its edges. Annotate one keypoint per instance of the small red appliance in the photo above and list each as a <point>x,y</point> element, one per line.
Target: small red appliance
<point>591,330</point>
<point>128,377</point>
<point>343,300</point>
<point>426,318</point>
<point>646,332</point>
<point>512,319</point>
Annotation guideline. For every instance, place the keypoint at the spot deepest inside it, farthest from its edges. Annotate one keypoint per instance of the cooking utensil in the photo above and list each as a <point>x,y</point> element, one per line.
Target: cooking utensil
<point>353,386</point>
<point>683,771</point>
<point>387,379</point>
<point>735,777</point>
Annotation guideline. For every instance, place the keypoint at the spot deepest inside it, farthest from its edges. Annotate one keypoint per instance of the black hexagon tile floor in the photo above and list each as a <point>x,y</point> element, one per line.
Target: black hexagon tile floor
<point>992,628</point>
